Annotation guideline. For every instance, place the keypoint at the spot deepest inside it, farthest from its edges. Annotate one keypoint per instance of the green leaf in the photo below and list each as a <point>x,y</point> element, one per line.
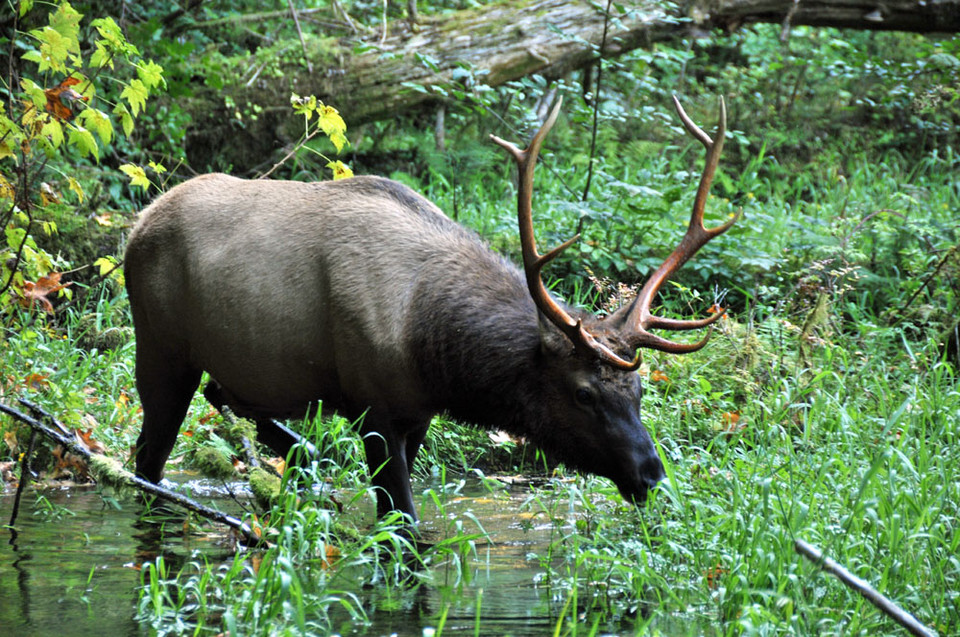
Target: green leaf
<point>126,119</point>
<point>25,6</point>
<point>151,74</point>
<point>99,122</point>
<point>54,49</point>
<point>106,264</point>
<point>66,22</point>
<point>35,92</point>
<point>101,57</point>
<point>138,176</point>
<point>136,94</point>
<point>54,131</point>
<point>84,141</point>
<point>303,105</point>
<point>109,31</point>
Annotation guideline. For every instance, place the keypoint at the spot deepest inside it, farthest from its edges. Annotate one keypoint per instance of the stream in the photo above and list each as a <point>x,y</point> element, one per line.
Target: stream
<point>73,568</point>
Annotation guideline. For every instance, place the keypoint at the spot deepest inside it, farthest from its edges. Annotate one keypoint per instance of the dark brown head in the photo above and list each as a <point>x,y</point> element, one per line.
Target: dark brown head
<point>590,416</point>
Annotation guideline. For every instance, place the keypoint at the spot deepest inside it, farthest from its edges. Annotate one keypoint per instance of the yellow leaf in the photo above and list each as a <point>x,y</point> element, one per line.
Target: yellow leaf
<point>138,177</point>
<point>6,190</point>
<point>74,185</point>
<point>333,125</point>
<point>105,264</point>
<point>340,170</point>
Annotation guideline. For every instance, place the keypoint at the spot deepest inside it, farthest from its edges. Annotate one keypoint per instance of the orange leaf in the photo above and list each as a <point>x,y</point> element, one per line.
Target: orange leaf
<point>713,575</point>
<point>331,557</point>
<point>731,420</point>
<point>86,437</point>
<point>279,464</point>
<point>61,99</point>
<point>34,293</point>
<point>730,417</point>
<point>37,382</point>
<point>656,376</point>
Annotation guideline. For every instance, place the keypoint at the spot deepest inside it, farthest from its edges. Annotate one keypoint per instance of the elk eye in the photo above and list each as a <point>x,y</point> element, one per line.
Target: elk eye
<point>584,397</point>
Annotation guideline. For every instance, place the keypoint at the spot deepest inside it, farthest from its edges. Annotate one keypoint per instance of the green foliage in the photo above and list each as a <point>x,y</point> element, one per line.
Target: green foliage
<point>61,109</point>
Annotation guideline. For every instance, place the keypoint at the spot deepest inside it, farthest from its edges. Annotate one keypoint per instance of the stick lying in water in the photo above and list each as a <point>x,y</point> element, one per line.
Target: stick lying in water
<point>109,470</point>
<point>872,595</point>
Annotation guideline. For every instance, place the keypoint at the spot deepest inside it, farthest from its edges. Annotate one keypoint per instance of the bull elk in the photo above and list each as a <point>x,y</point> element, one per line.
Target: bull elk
<point>362,294</point>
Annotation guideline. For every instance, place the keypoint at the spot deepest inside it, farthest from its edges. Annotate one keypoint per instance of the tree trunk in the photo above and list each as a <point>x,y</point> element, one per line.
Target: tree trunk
<point>491,45</point>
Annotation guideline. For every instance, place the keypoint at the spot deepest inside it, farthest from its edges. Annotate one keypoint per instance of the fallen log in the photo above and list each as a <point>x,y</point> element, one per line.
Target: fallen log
<point>110,471</point>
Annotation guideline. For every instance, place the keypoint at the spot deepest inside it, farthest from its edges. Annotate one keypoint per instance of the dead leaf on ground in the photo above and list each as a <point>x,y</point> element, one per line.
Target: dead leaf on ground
<point>10,438</point>
<point>85,437</point>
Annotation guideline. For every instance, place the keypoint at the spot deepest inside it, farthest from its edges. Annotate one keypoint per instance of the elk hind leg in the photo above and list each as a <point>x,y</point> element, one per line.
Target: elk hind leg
<point>166,388</point>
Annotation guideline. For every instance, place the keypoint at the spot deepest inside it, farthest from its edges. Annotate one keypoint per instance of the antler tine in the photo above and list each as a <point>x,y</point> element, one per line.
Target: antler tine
<point>533,262</point>
<point>696,237</point>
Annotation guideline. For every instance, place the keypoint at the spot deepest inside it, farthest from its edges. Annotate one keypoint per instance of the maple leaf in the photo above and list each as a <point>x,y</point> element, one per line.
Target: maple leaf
<point>333,125</point>
<point>63,100</point>
<point>136,94</point>
<point>83,141</point>
<point>36,292</point>
<point>340,170</point>
<point>137,175</point>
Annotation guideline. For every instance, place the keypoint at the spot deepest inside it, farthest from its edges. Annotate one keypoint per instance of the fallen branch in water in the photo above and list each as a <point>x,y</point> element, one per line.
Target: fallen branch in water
<point>872,595</point>
<point>110,471</point>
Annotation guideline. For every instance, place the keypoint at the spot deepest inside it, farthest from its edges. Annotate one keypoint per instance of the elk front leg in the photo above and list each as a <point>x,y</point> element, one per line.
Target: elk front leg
<point>386,449</point>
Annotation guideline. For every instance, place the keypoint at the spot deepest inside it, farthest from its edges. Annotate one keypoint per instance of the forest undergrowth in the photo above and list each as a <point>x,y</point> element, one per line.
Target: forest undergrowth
<point>825,408</point>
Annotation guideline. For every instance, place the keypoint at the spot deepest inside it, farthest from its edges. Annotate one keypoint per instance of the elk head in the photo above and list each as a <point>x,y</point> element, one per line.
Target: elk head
<point>589,363</point>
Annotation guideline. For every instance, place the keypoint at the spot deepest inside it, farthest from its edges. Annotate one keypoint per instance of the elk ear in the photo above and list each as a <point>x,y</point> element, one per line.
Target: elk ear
<point>552,340</point>
<point>619,320</point>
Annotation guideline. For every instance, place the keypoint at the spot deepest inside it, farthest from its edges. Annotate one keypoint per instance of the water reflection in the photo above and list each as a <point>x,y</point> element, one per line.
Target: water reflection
<point>77,573</point>
<point>72,566</point>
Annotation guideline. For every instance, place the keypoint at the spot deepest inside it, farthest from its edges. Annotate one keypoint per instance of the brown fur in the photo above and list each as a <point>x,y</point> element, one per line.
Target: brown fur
<point>362,294</point>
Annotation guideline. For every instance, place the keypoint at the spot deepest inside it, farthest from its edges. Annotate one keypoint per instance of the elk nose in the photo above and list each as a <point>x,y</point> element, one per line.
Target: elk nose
<point>652,471</point>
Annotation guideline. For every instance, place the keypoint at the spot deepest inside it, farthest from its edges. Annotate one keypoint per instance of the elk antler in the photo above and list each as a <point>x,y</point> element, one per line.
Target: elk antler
<point>640,319</point>
<point>533,262</point>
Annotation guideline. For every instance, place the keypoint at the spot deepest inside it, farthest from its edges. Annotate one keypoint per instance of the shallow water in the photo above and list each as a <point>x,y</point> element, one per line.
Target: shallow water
<point>78,573</point>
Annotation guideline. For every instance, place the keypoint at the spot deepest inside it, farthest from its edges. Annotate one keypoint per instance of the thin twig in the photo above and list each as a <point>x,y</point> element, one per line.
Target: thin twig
<point>926,281</point>
<point>872,595</point>
<point>303,43</point>
<point>596,101</point>
<point>127,478</point>
<point>24,473</point>
<point>383,35</point>
<point>297,147</point>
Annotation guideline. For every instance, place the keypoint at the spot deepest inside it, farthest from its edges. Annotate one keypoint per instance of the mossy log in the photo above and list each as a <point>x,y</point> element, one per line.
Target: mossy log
<point>368,79</point>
